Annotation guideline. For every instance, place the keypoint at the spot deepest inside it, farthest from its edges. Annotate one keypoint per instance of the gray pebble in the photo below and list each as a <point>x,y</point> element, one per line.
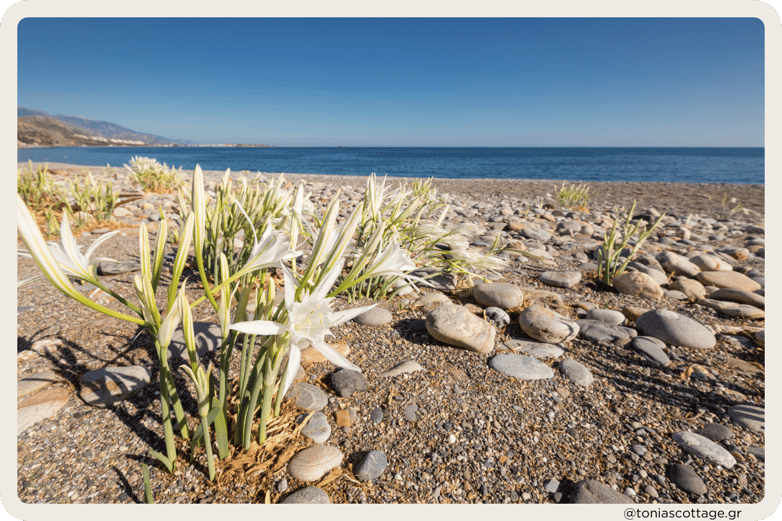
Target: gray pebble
<point>371,466</point>
<point>308,496</point>
<point>346,382</point>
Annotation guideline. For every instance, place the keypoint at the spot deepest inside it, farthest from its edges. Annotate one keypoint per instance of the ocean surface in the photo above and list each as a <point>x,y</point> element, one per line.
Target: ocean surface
<point>689,165</point>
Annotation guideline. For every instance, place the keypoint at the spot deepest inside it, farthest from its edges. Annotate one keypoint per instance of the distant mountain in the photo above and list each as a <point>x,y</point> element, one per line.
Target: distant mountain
<point>80,130</point>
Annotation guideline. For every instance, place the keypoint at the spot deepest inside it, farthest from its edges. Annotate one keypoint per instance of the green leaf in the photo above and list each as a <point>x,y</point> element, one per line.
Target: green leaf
<point>163,459</point>
<point>148,498</point>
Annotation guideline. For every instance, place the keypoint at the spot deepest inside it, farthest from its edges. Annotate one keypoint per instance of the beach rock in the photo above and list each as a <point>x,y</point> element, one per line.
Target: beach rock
<point>734,310</point>
<point>455,325</point>
<point>535,234</point>
<point>591,491</point>
<point>637,284</point>
<point>317,428</point>
<point>751,417</point>
<point>708,262</point>
<point>677,265</point>
<point>691,288</point>
<point>715,432</point>
<point>675,329</point>
<point>561,279</point>
<point>536,349</point>
<point>632,313</point>
<point>315,462</point>
<point>208,338</point>
<point>109,385</point>
<point>601,332</point>
<point>115,268</point>
<point>740,296</point>
<point>371,466</point>
<point>686,479</point>
<point>440,281</point>
<point>728,279</point>
<point>704,448</point>
<point>310,355</point>
<point>346,382</point>
<point>576,372</point>
<point>609,316</point>
<point>36,382</point>
<point>520,366</point>
<point>497,317</point>
<point>374,317</point>
<point>658,275</point>
<point>308,496</point>
<point>503,295</point>
<point>431,302</point>
<point>307,396</point>
<point>760,337</point>
<point>408,366</point>
<point>411,412</point>
<point>652,349</point>
<point>40,406</point>
<point>547,326</point>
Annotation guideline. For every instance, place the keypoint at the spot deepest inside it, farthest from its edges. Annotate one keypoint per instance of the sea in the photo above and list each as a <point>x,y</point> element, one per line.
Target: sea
<point>652,164</point>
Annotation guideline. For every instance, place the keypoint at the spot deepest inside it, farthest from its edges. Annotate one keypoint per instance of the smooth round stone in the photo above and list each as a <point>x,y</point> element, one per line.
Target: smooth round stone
<point>751,417</point>
<point>657,274</point>
<point>497,317</point>
<point>503,295</point>
<point>109,385</point>
<point>728,279</point>
<point>715,432</point>
<point>637,284</point>
<point>576,372</point>
<point>561,279</point>
<point>317,428</point>
<point>592,491</point>
<point>431,301</point>
<point>739,296</point>
<point>115,268</point>
<point>601,332</point>
<point>689,287</point>
<point>408,366</point>
<point>411,412</point>
<point>376,415</point>
<point>609,316</point>
<point>675,329</point>
<point>535,234</point>
<point>371,466</point>
<point>743,311</point>
<point>546,325</point>
<point>708,262</point>
<point>374,317</point>
<point>652,349</point>
<point>704,448</point>
<point>686,479</point>
<point>520,366</point>
<point>536,349</point>
<point>455,325</point>
<point>308,396</point>
<point>758,452</point>
<point>677,264</point>
<point>313,463</point>
<point>308,496</point>
<point>760,337</point>
<point>346,382</point>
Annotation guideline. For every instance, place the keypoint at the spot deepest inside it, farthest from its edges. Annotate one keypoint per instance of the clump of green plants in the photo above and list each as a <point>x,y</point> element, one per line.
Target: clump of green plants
<point>726,211</point>
<point>609,254</point>
<point>99,199</point>
<point>573,196</point>
<point>154,177</point>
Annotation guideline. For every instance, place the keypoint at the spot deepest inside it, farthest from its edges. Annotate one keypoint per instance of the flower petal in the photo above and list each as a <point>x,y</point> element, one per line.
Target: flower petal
<point>259,327</point>
<point>294,361</point>
<point>343,316</point>
<point>333,356</point>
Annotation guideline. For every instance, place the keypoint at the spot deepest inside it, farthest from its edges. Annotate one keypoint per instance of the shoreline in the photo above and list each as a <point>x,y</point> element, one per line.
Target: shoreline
<point>678,198</point>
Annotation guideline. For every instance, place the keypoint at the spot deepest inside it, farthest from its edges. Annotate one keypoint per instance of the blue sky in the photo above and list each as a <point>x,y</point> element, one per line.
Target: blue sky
<point>405,82</point>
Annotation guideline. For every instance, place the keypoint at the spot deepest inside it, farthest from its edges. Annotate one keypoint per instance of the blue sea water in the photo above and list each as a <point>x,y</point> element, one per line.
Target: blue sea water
<point>689,165</point>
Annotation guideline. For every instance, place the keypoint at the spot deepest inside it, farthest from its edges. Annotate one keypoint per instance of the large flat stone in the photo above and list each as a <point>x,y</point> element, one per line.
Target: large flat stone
<point>40,406</point>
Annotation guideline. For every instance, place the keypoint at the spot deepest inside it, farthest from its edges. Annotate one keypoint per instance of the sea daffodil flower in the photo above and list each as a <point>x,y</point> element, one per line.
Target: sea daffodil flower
<point>308,323</point>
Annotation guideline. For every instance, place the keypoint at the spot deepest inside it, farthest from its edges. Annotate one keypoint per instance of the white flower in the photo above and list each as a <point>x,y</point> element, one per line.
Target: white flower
<point>308,323</point>
<point>394,261</point>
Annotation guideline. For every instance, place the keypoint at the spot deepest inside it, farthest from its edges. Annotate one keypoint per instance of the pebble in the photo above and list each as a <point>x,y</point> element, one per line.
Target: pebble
<point>314,462</point>
<point>455,325</point>
<point>109,385</point>
<point>40,406</point>
<point>346,382</point>
<point>740,296</point>
<point>408,366</point>
<point>317,428</point>
<point>675,329</point>
<point>652,349</point>
<point>431,301</point>
<point>371,466</point>
<point>520,366</point>
<point>677,265</point>
<point>376,415</point>
<point>36,382</point>
<point>751,417</point>
<point>704,448</point>
<point>411,412</point>
<point>689,287</point>
<point>592,491</point>
<point>536,349</point>
<point>308,396</point>
<point>546,325</point>
<point>503,295</point>
<point>115,268</point>
<point>576,372</point>
<point>497,317</point>
<point>374,317</point>
<point>637,284</point>
<point>710,263</point>
<point>609,316</point>
<point>728,279</point>
<point>561,279</point>
<point>551,485</point>
<point>308,496</point>
<point>686,479</point>
<point>599,331</point>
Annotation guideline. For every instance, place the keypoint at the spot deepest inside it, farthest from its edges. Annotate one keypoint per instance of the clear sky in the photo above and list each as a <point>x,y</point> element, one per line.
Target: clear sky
<point>405,82</point>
